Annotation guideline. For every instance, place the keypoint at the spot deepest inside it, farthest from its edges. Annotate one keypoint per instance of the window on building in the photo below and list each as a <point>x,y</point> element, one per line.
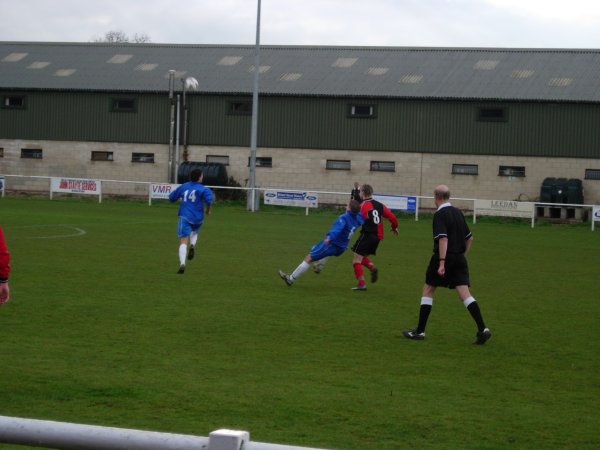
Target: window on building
<point>102,156</point>
<point>32,153</point>
<point>383,166</point>
<point>142,157</point>
<point>465,169</point>
<point>511,171</point>
<point>122,104</point>
<point>1,152</point>
<point>240,107</point>
<point>14,101</point>
<point>492,114</point>
<point>336,164</point>
<point>592,174</point>
<point>262,161</point>
<point>362,111</point>
<point>217,159</point>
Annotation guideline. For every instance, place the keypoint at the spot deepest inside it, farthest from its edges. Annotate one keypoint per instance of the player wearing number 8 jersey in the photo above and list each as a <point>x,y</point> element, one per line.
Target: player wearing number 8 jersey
<point>371,234</point>
<point>194,198</point>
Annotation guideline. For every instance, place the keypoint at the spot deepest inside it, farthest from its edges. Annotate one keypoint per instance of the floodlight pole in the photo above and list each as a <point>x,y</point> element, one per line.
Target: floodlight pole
<point>172,128</point>
<point>176,153</point>
<point>185,121</point>
<point>252,175</point>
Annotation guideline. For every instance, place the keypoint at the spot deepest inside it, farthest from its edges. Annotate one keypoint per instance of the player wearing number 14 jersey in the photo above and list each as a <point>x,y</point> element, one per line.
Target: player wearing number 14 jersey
<point>371,234</point>
<point>194,198</point>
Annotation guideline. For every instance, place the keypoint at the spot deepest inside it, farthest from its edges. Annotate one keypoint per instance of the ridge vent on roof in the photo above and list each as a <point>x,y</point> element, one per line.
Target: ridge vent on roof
<point>290,76</point>
<point>64,72</point>
<point>560,82</point>
<point>146,67</point>
<point>229,60</point>
<point>261,69</point>
<point>411,79</point>
<point>38,65</point>
<point>378,70</point>
<point>344,62</point>
<point>14,57</point>
<point>119,59</point>
<point>522,73</point>
<point>486,64</point>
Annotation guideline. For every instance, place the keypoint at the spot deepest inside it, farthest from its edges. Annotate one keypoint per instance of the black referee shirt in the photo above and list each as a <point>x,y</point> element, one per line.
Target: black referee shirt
<point>450,222</point>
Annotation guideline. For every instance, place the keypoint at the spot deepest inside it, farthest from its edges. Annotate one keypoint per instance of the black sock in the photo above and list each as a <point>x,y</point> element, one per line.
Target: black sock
<point>424,312</point>
<point>476,314</point>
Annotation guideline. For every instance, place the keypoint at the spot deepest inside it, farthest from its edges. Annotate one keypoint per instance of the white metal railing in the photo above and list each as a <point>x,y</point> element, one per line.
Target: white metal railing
<point>341,197</point>
<point>72,436</point>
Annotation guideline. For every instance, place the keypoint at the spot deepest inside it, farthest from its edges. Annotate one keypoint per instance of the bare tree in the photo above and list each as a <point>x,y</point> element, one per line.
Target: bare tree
<point>140,38</point>
<point>117,37</point>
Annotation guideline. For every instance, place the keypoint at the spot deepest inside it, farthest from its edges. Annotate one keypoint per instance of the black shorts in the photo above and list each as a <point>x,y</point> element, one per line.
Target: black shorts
<point>457,271</point>
<point>366,244</point>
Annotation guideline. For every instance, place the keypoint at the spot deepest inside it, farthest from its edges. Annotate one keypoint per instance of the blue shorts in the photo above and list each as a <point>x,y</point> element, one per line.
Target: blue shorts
<point>322,250</point>
<point>185,228</point>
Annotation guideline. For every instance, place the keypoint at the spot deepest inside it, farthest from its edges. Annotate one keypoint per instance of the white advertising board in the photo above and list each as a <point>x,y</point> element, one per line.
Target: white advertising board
<point>162,190</point>
<point>287,198</point>
<point>397,202</point>
<point>75,186</point>
<point>504,208</point>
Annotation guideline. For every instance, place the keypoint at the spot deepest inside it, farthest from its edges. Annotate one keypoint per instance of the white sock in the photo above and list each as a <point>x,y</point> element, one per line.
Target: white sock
<point>193,239</point>
<point>322,262</point>
<point>468,301</point>
<point>182,254</point>
<point>303,267</point>
<point>427,301</point>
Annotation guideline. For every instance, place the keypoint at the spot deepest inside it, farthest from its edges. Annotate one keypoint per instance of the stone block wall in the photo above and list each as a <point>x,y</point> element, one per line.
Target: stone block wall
<point>305,169</point>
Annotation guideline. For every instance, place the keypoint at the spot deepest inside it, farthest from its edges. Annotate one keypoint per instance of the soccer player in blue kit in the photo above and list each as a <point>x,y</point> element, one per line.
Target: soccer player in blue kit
<point>194,196</point>
<point>334,244</point>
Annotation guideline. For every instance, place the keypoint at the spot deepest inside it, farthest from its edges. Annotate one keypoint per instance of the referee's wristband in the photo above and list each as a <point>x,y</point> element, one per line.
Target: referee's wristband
<point>442,259</point>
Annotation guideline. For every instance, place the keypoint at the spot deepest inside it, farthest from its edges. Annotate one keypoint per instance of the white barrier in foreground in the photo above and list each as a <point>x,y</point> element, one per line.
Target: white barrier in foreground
<point>72,436</point>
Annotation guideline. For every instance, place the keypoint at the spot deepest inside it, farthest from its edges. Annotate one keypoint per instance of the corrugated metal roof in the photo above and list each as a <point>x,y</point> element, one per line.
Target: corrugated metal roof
<point>401,72</point>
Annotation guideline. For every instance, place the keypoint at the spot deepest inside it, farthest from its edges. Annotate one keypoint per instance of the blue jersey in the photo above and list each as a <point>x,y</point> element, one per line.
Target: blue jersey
<point>343,228</point>
<point>193,197</point>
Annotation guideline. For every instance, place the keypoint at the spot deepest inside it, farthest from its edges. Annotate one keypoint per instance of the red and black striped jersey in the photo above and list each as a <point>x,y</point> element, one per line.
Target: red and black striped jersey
<point>373,212</point>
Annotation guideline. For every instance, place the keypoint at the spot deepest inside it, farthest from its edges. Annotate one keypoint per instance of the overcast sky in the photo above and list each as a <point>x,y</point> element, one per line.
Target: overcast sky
<point>414,23</point>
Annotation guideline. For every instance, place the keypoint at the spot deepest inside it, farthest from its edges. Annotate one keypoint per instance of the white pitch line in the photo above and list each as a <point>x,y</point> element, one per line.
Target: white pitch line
<point>79,232</point>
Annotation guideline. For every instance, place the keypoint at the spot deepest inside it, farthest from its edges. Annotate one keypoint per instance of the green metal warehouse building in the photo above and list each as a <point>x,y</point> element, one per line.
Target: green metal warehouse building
<point>490,123</point>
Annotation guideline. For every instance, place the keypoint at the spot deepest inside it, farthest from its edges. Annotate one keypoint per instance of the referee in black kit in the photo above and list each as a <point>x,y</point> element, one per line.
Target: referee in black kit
<point>448,266</point>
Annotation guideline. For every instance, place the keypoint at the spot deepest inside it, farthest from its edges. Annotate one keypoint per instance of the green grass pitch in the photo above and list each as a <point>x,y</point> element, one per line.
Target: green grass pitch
<point>101,330</point>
